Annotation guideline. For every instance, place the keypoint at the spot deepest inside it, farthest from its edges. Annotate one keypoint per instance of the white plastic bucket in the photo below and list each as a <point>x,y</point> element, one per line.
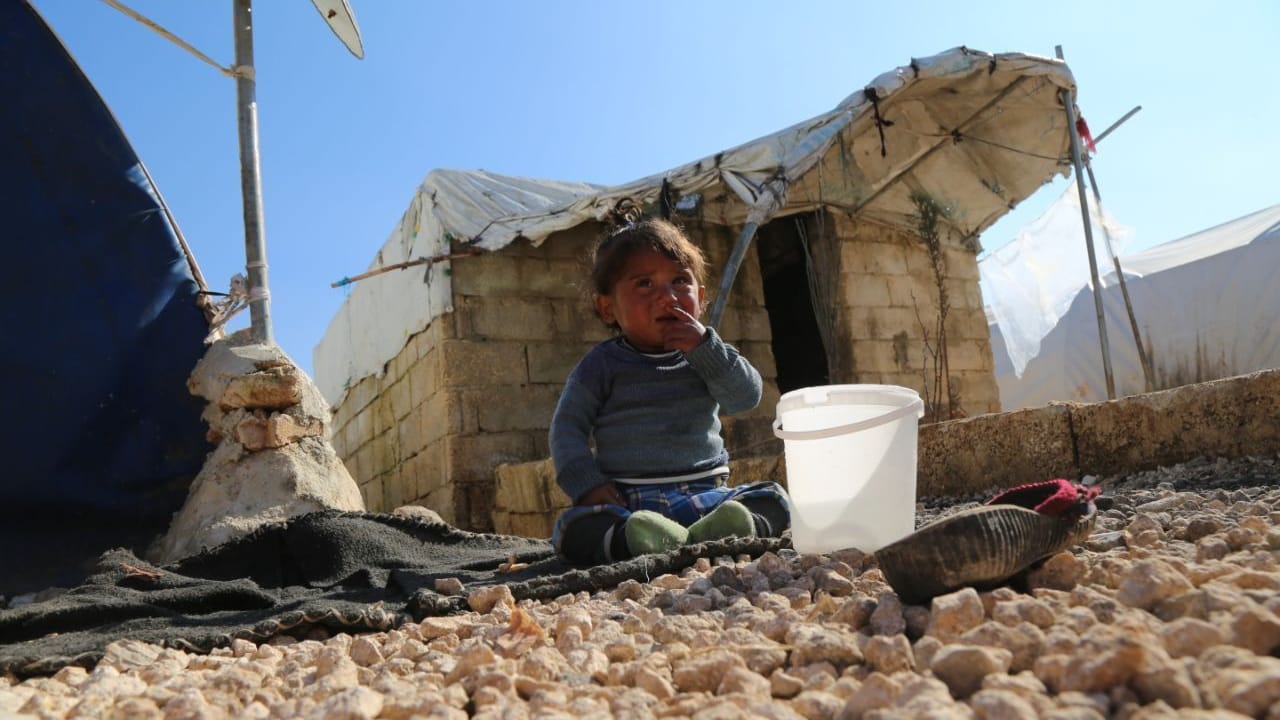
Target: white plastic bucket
<point>851,464</point>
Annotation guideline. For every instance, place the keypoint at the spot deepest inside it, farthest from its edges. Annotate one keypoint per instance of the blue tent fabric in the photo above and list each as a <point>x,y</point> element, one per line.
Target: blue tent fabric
<point>99,326</point>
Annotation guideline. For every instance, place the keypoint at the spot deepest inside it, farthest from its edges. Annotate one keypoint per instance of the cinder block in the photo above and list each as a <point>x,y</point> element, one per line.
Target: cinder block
<point>984,393</point>
<point>400,398</point>
<point>519,487</point>
<point>493,273</point>
<point>410,437</point>
<point>864,290</point>
<point>383,417</point>
<point>364,427</point>
<point>761,468</point>
<point>552,362</point>
<point>531,525</point>
<point>574,320</point>
<point>371,492</point>
<point>750,435</point>
<point>384,452</point>
<point>364,464</point>
<point>480,506</point>
<point>968,324</point>
<point>502,522</point>
<point>428,471</point>
<point>967,355</point>
<point>962,264</point>
<point>905,291</point>
<point>446,501</point>
<point>745,322</point>
<point>574,243</point>
<point>465,363</point>
<point>472,458</point>
<point>509,275</point>
<point>397,366</point>
<point>874,258</point>
<point>502,408</point>
<point>397,490</point>
<point>882,356</point>
<point>760,355</point>
<point>963,293</point>
<point>425,378</point>
<point>442,414</point>
<point>506,318</point>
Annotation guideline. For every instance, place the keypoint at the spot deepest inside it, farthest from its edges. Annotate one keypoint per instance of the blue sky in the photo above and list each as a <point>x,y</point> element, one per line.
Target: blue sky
<point>609,92</point>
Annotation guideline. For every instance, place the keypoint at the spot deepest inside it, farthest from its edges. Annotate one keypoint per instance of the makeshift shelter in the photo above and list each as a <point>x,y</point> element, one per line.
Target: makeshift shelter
<point>100,325</point>
<point>863,270</point>
<point>1207,306</point>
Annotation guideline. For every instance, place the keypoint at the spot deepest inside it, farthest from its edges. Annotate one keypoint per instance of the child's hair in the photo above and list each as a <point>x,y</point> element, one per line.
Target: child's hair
<point>649,234</point>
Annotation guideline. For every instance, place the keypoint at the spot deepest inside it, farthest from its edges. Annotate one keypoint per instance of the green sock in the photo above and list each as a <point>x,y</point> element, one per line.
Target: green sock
<point>730,518</point>
<point>650,532</point>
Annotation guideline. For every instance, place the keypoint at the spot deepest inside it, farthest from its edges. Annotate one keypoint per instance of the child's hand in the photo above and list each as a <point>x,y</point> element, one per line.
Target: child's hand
<point>684,335</point>
<point>606,494</point>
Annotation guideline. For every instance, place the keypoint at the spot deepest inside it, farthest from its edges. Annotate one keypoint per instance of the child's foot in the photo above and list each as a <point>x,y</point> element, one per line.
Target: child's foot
<point>649,532</point>
<point>730,518</point>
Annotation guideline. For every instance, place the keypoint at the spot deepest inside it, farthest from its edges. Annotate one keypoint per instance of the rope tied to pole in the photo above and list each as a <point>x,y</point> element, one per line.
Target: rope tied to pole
<point>233,72</point>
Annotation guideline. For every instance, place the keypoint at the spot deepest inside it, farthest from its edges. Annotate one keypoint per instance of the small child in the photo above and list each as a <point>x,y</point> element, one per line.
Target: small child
<point>651,397</point>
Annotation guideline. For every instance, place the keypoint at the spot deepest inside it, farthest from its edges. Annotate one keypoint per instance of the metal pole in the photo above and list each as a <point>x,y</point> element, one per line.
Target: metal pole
<point>1069,105</point>
<point>1116,124</point>
<point>255,242</point>
<point>1147,371</point>
<point>731,272</point>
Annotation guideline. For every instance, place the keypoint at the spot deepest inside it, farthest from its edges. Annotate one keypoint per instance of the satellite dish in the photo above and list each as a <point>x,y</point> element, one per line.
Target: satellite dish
<point>337,13</point>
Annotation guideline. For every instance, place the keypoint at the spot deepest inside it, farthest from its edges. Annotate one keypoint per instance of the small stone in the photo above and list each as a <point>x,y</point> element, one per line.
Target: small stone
<point>887,619</point>
<point>815,643</point>
<point>954,613</point>
<point>449,586</point>
<point>1062,571</point>
<point>889,653</point>
<point>962,667</point>
<point>1001,705</point>
<point>1147,582</point>
<point>1188,637</point>
<point>484,599</point>
<point>877,691</point>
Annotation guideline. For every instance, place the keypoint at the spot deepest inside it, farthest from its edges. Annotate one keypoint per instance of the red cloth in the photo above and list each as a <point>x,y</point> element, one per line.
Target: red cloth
<point>1049,497</point>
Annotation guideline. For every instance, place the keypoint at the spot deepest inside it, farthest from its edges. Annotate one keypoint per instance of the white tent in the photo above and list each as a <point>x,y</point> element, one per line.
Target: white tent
<point>1208,306</point>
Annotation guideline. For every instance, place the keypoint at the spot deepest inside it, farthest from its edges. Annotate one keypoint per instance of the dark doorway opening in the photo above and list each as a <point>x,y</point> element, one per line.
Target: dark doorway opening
<point>798,349</point>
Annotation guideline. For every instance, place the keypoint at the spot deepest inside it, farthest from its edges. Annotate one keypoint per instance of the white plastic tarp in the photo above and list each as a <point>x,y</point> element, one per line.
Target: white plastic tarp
<point>1208,306</point>
<point>977,132</point>
<point>1029,283</point>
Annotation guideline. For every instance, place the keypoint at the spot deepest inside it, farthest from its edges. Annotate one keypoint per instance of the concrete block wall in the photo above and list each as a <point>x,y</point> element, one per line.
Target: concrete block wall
<point>477,388</point>
<point>889,300</point>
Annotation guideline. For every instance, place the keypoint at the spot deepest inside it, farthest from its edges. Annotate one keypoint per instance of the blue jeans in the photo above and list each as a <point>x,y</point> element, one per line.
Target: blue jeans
<point>684,502</point>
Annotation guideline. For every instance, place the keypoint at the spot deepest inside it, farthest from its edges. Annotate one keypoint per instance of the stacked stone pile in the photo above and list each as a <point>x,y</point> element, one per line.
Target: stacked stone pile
<point>1171,610</point>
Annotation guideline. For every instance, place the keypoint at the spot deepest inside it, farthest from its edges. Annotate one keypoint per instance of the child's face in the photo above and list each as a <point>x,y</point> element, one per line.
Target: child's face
<point>652,296</point>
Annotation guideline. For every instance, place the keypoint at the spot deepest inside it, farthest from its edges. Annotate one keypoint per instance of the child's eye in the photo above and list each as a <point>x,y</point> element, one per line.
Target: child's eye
<point>643,282</point>
<point>682,280</point>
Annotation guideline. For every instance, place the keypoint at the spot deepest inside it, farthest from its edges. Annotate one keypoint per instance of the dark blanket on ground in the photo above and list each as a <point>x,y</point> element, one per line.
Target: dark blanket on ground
<point>345,571</point>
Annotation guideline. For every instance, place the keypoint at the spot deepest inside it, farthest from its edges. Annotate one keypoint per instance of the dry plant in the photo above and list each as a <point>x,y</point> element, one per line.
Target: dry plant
<point>941,397</point>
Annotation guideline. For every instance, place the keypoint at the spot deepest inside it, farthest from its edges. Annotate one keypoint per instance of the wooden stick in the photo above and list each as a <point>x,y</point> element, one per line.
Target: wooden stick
<point>403,265</point>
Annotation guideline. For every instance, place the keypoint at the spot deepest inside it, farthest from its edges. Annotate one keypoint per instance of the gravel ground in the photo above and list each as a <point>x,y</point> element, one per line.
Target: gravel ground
<point>1171,610</point>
